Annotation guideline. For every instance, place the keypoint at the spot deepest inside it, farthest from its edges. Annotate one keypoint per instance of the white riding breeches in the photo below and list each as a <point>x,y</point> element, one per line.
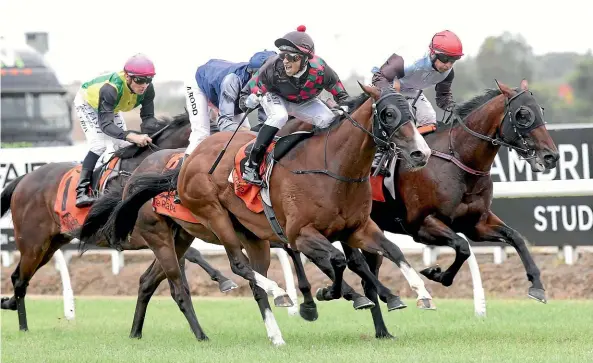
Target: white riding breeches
<point>278,109</point>
<point>89,122</point>
<point>199,118</point>
<point>425,114</point>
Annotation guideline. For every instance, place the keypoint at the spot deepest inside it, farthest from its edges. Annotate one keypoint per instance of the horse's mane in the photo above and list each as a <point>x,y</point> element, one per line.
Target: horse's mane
<point>463,110</point>
<point>151,126</point>
<point>468,107</point>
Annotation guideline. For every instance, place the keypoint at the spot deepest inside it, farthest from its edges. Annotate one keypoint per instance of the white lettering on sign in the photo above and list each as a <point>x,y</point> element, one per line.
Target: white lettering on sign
<point>568,218</point>
<point>573,163</point>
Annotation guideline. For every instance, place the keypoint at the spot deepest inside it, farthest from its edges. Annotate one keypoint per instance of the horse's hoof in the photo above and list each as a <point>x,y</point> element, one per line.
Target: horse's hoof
<point>308,313</point>
<point>227,286</point>
<point>426,304</point>
<point>8,303</point>
<point>362,302</point>
<point>395,303</point>
<point>432,273</point>
<point>283,301</point>
<point>278,342</point>
<point>135,336</point>
<point>537,294</point>
<point>319,294</point>
<point>203,338</point>
<point>385,335</point>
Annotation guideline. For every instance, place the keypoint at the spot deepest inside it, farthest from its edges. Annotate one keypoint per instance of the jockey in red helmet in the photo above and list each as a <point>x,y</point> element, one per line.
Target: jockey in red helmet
<point>434,68</point>
<point>290,83</point>
<point>100,103</point>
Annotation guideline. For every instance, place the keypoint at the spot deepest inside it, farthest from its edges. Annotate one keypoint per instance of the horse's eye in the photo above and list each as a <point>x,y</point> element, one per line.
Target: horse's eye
<point>389,114</point>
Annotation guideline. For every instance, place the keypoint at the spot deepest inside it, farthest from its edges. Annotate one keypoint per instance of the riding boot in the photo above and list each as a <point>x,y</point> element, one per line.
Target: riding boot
<point>264,139</point>
<point>176,199</point>
<point>83,199</point>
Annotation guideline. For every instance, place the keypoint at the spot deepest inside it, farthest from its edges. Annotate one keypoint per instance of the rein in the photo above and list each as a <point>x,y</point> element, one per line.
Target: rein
<point>497,141</point>
<point>379,141</point>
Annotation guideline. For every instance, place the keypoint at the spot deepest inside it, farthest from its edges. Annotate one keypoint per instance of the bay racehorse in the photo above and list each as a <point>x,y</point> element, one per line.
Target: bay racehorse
<point>320,191</point>
<point>32,198</point>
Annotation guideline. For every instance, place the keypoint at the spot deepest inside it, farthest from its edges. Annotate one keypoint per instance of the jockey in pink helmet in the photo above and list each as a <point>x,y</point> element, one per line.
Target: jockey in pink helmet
<point>100,103</point>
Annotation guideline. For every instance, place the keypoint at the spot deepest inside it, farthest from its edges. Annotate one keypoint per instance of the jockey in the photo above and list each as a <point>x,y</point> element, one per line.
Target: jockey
<point>290,83</point>
<point>434,68</point>
<point>218,82</point>
<point>99,104</point>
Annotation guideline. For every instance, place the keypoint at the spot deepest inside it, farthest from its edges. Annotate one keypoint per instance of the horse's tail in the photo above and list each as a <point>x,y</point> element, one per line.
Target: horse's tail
<point>98,215</point>
<point>6,195</point>
<point>140,189</point>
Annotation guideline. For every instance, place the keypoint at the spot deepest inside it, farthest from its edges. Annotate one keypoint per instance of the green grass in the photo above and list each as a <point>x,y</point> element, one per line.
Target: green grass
<point>514,331</point>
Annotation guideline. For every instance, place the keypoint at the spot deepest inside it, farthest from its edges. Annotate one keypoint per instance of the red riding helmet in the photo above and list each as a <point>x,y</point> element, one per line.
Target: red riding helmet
<point>139,65</point>
<point>446,42</point>
<point>297,41</point>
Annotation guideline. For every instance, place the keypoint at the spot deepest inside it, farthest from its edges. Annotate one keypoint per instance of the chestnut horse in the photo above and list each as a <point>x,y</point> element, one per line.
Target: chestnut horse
<point>331,204</point>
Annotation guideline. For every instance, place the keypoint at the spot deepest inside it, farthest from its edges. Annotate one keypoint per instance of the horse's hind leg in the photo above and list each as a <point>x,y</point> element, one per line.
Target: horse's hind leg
<point>492,229</point>
<point>435,232</point>
<point>36,250</point>
<point>159,237</point>
<point>224,283</point>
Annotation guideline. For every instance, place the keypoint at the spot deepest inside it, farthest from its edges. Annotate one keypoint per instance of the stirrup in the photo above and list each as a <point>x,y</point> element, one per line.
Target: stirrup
<point>176,199</point>
<point>251,176</point>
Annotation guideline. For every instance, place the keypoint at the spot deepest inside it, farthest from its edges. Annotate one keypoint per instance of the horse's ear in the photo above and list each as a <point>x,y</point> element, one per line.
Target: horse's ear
<point>371,91</point>
<point>524,84</point>
<point>504,89</point>
<point>498,85</point>
<point>361,86</point>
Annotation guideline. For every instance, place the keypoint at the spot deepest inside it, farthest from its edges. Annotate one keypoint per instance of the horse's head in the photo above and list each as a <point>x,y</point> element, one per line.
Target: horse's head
<point>174,134</point>
<point>393,127</point>
<point>523,127</point>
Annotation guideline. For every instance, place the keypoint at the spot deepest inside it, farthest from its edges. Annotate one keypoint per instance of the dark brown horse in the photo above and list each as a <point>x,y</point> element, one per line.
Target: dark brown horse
<point>453,194</point>
<point>31,198</point>
<point>331,204</point>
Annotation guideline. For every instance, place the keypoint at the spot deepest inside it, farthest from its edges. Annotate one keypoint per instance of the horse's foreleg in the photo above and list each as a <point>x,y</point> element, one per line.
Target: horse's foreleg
<point>224,283</point>
<point>316,247</point>
<point>308,309</point>
<point>374,241</point>
<point>435,232</point>
<point>374,263</point>
<point>492,229</point>
<point>360,266</point>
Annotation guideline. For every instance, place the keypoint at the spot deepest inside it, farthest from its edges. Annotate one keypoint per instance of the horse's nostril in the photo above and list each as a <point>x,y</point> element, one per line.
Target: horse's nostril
<point>551,158</point>
<point>417,155</point>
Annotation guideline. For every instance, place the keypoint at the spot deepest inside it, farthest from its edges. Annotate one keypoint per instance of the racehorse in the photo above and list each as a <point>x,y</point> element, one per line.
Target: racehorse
<point>32,199</point>
<point>454,192</point>
<point>333,203</point>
